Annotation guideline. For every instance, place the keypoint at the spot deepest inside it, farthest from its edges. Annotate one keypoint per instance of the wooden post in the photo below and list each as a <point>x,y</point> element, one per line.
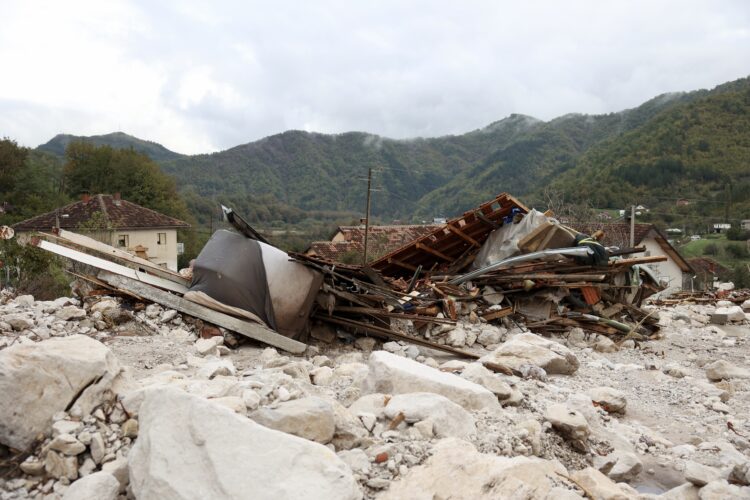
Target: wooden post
<point>632,226</point>
<point>367,215</point>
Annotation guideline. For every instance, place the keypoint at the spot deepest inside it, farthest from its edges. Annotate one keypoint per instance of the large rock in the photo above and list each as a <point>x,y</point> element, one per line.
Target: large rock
<point>599,485</point>
<point>570,423</point>
<point>722,490</point>
<point>190,448</point>
<point>477,373</point>
<point>732,313</point>
<point>699,474</point>
<point>448,419</point>
<point>609,399</point>
<point>527,348</point>
<point>39,380</point>
<point>456,470</point>
<point>96,486</point>
<point>724,370</point>
<point>392,374</point>
<point>310,418</point>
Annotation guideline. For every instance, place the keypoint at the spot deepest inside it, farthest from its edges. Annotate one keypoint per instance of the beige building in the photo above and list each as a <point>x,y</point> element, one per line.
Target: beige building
<point>117,222</point>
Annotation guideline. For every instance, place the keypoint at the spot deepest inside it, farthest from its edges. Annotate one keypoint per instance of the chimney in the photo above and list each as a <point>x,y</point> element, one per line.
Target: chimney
<point>116,197</point>
<point>85,197</point>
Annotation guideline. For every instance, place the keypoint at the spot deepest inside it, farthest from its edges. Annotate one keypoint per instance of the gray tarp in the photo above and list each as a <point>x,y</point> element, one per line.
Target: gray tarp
<point>230,269</point>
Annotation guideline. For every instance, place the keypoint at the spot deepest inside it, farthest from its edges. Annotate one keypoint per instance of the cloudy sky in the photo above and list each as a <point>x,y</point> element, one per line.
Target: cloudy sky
<point>200,76</point>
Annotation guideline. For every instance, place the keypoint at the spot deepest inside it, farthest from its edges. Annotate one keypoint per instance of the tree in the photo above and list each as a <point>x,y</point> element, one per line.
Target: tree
<point>12,157</point>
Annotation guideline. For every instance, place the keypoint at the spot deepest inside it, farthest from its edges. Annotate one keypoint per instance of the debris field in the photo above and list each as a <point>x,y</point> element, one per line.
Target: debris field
<point>502,355</point>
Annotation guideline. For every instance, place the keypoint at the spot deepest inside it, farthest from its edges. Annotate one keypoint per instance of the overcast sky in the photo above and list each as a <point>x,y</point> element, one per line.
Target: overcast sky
<point>201,76</point>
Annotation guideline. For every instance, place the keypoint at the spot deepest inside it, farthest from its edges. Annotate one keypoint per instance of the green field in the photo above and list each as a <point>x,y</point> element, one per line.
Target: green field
<point>717,247</point>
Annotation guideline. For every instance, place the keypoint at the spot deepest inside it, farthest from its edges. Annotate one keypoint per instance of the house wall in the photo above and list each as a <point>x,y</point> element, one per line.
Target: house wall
<point>165,254</point>
<point>667,271</point>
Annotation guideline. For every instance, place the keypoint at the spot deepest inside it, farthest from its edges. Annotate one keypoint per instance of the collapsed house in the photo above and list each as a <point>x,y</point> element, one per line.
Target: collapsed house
<point>500,262</point>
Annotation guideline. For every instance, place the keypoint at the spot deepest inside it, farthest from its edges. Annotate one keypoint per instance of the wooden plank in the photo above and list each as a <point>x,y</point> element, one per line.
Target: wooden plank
<point>434,252</point>
<point>639,260</point>
<point>506,311</point>
<point>391,260</point>
<point>97,246</point>
<point>106,265</point>
<point>246,328</point>
<point>463,236</point>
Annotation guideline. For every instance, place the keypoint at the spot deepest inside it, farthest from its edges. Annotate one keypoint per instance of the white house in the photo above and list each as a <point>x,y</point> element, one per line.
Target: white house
<point>675,273</point>
<point>116,222</point>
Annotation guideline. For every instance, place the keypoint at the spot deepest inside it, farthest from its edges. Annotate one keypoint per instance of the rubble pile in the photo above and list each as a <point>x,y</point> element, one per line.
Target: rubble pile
<point>500,356</point>
<point>369,419</point>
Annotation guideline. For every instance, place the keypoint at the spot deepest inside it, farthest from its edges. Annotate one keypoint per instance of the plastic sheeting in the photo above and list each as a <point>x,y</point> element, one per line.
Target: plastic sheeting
<point>230,269</point>
<point>503,242</point>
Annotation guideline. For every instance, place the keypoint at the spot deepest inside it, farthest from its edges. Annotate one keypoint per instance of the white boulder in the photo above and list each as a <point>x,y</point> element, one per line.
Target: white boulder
<point>190,448</point>
<point>611,400</point>
<point>448,419</point>
<point>392,374</point>
<point>724,370</point>
<point>457,470</point>
<point>527,348</point>
<point>38,380</point>
<point>310,418</point>
<point>96,486</point>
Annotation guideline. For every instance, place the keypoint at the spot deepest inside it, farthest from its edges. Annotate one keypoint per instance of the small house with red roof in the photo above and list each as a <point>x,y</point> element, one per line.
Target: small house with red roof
<point>116,222</point>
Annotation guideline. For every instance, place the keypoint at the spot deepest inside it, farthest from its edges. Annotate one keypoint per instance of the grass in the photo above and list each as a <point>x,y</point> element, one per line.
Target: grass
<point>698,249</point>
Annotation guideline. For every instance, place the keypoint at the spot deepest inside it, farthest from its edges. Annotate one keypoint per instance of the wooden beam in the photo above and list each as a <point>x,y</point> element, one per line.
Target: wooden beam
<point>639,260</point>
<point>112,267</point>
<point>463,236</point>
<point>391,260</point>
<point>506,311</point>
<point>434,252</point>
<point>68,237</point>
<point>246,328</point>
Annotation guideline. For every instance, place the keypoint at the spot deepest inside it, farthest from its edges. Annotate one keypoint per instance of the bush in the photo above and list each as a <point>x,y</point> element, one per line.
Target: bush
<point>711,249</point>
<point>32,271</point>
<point>735,233</point>
<point>736,251</point>
<point>741,276</point>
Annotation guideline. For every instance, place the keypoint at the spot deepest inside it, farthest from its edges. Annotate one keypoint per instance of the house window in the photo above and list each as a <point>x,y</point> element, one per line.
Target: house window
<point>123,240</point>
<point>161,238</point>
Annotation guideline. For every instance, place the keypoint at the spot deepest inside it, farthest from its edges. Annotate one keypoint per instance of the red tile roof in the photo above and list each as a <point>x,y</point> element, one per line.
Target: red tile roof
<point>120,214</point>
<point>381,240</point>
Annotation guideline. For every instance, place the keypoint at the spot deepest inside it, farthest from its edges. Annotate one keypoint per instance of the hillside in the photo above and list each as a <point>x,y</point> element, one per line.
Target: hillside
<point>119,140</point>
<point>692,144</point>
<point>699,150</point>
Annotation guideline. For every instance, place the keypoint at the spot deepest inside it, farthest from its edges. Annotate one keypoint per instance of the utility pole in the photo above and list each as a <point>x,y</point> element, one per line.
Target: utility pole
<point>367,215</point>
<point>632,226</point>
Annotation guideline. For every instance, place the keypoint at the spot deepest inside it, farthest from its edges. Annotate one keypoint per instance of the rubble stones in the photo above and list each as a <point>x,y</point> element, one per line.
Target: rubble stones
<point>37,380</point>
<point>699,474</point>
<point>179,431</point>
<point>310,418</point>
<point>69,313</point>
<point>448,419</point>
<point>67,445</point>
<point>720,489</point>
<point>598,485</point>
<point>527,348</point>
<point>724,370</point>
<point>393,374</point>
<point>731,313</point>
<point>96,486</point>
<point>457,470</point>
<point>571,423</point>
<point>477,373</point>
<point>611,400</point>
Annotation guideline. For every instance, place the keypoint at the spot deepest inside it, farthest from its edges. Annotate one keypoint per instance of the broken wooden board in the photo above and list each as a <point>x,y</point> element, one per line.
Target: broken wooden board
<point>106,265</point>
<point>246,328</point>
<point>70,238</point>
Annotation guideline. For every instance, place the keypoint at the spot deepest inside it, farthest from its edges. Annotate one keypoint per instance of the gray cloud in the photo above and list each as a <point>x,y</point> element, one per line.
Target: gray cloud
<point>202,76</point>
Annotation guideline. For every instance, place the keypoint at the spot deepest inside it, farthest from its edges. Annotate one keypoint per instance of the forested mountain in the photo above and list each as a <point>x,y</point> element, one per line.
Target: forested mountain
<point>118,140</point>
<point>691,144</point>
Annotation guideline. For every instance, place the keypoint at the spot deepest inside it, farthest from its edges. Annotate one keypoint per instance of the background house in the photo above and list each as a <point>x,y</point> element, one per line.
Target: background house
<point>675,273</point>
<point>116,222</point>
<point>348,242</point>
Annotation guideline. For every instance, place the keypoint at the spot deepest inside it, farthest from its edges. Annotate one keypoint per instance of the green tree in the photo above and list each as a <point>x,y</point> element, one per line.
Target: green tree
<point>12,158</point>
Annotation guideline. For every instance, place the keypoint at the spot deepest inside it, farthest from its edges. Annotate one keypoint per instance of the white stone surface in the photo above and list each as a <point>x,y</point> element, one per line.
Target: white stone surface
<point>527,348</point>
<point>392,374</point>
<point>190,448</point>
<point>448,418</point>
